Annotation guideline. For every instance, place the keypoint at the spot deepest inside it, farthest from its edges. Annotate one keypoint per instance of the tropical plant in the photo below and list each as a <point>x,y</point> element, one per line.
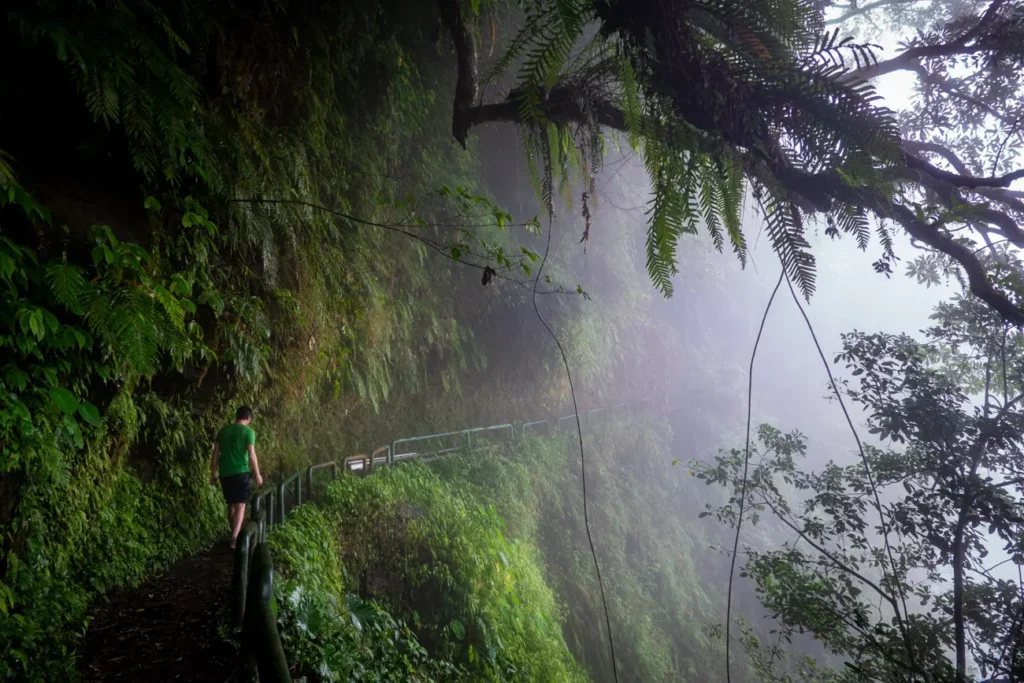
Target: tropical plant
<point>475,599</point>
<point>906,563</point>
<point>717,92</point>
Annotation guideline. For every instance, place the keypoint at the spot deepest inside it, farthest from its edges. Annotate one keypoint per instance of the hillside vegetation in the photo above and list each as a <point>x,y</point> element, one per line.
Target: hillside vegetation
<point>483,562</point>
<point>207,205</point>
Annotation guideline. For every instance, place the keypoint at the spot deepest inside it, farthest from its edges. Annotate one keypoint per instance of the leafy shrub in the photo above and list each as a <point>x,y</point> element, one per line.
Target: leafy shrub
<point>332,635</point>
<point>654,563</point>
<point>475,599</point>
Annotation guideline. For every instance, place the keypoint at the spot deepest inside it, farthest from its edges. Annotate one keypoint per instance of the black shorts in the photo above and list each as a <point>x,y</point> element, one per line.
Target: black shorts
<point>236,488</point>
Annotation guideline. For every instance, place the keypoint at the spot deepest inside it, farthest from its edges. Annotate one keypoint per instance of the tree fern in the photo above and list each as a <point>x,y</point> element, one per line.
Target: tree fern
<point>796,111</point>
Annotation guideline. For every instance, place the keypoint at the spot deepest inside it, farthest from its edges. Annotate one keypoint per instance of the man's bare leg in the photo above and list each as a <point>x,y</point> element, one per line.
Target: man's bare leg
<point>236,523</point>
<point>231,516</point>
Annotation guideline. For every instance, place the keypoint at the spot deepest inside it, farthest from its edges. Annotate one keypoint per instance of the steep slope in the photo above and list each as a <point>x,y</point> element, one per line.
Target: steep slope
<point>205,205</point>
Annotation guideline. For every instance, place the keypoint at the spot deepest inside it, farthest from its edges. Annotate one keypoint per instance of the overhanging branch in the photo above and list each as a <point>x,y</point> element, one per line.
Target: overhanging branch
<point>820,192</point>
<point>973,41</point>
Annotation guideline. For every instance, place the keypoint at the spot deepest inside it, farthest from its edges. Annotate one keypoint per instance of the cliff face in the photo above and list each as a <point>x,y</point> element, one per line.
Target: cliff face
<point>205,205</point>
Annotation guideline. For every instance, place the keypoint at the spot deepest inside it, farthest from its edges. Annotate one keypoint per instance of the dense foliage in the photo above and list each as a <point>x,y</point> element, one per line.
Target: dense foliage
<point>253,205</point>
<point>655,562</point>
<point>330,633</point>
<point>899,563</point>
<point>203,204</point>
<point>146,284</point>
<point>475,599</point>
<point>724,96</point>
<point>469,552</point>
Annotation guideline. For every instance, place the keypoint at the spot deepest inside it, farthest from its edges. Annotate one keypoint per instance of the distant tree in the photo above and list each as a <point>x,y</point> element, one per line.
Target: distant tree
<point>720,96</point>
<point>896,16</point>
<point>887,561</point>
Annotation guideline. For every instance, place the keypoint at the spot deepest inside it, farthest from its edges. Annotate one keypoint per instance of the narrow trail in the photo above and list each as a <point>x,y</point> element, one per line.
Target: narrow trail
<point>167,628</point>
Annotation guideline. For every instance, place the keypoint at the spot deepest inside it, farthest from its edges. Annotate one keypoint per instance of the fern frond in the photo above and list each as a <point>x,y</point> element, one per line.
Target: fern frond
<point>630,102</point>
<point>786,232</point>
<point>68,285</point>
<point>711,203</point>
<point>853,220</point>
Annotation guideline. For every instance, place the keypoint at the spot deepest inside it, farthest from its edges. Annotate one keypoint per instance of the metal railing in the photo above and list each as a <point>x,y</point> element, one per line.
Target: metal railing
<point>282,489</point>
<point>532,427</point>
<point>253,576</point>
<point>332,466</point>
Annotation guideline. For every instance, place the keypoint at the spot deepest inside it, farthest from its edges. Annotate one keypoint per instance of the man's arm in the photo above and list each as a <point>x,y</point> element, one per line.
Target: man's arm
<point>214,462</point>
<point>254,465</point>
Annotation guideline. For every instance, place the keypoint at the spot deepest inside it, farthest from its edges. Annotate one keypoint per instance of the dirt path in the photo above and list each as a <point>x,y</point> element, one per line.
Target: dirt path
<point>166,629</point>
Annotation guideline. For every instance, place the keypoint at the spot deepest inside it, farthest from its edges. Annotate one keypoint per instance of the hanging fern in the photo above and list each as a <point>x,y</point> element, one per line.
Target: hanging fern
<point>785,228</point>
<point>796,111</point>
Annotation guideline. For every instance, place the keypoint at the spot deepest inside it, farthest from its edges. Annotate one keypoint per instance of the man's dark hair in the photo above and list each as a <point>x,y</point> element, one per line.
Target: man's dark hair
<point>243,413</point>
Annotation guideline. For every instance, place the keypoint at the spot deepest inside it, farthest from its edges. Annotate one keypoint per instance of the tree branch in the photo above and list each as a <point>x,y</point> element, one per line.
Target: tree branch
<point>912,58</point>
<point>871,6</point>
<point>823,189</point>
<point>559,107</point>
<point>838,564</point>
<point>718,121</point>
<point>961,180</point>
<point>1012,199</point>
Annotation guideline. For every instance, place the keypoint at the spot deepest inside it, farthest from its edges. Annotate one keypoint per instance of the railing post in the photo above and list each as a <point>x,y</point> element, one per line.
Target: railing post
<point>280,502</point>
<point>260,626</point>
<point>309,482</point>
<point>298,491</point>
<point>239,581</point>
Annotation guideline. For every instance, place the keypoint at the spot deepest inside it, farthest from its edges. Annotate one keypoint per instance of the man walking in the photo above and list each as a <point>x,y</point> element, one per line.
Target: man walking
<point>234,461</point>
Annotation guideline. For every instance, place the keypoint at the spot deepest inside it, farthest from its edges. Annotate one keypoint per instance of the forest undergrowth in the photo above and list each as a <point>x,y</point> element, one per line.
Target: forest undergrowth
<point>479,565</point>
<point>209,206</point>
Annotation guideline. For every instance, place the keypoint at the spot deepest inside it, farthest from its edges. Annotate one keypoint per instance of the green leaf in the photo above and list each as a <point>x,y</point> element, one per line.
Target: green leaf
<point>532,255</point>
<point>35,323</point>
<point>458,629</point>
<point>17,378</point>
<point>64,399</point>
<point>89,412</point>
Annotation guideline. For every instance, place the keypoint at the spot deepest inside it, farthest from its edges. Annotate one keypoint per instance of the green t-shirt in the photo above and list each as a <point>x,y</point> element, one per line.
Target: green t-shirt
<point>234,441</point>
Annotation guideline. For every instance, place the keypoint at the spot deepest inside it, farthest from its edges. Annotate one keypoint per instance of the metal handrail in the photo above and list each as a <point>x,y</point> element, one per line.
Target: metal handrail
<point>258,504</point>
<point>252,534</point>
<point>252,580</point>
<point>294,476</point>
<point>413,439</point>
<point>531,425</point>
<point>331,465</point>
<point>377,451</point>
<point>432,455</point>
<point>482,430</point>
<point>259,631</point>
<point>558,424</point>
